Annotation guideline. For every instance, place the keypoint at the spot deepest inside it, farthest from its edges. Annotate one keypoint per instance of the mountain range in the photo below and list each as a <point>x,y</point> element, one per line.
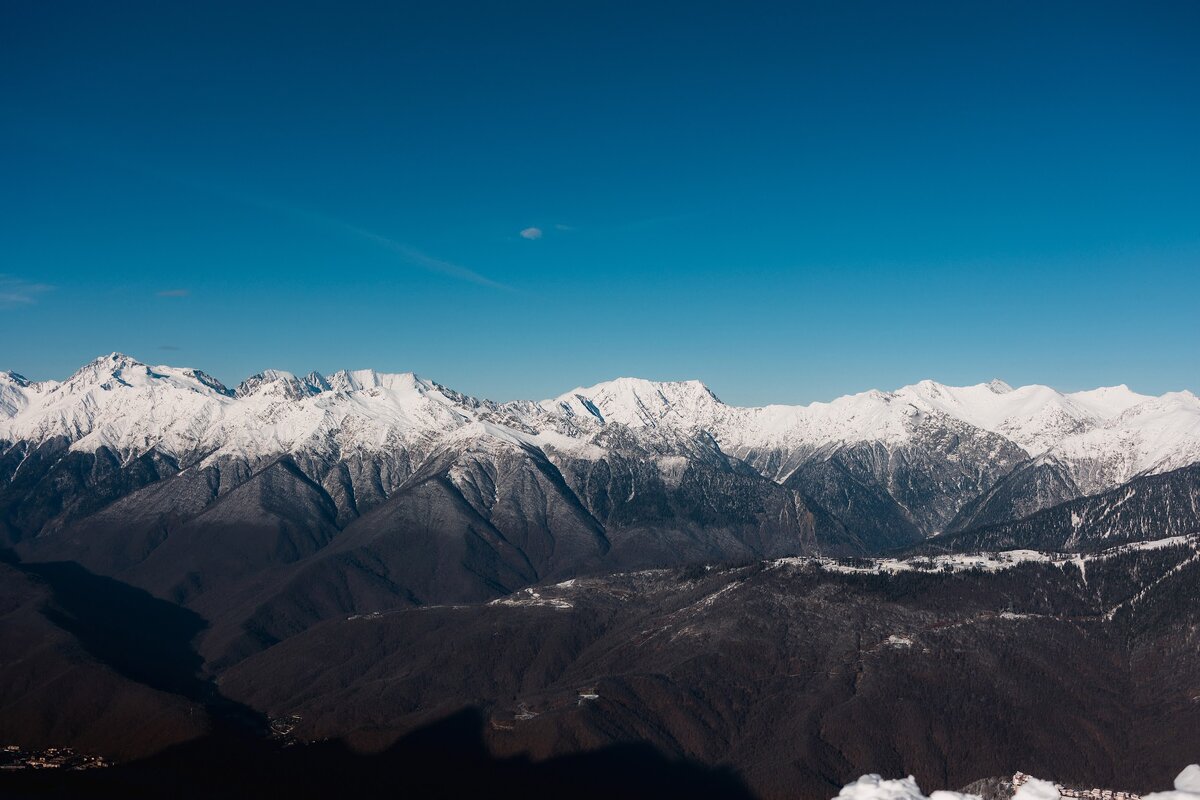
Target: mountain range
<point>934,458</point>
<point>235,539</point>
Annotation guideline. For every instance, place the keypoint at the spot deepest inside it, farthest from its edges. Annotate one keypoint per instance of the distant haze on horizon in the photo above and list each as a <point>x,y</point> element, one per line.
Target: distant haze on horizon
<point>789,205</point>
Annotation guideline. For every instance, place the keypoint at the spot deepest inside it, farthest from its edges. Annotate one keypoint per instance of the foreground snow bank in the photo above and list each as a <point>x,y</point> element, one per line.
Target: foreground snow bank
<point>874,787</point>
<point>1187,786</point>
<point>1034,789</point>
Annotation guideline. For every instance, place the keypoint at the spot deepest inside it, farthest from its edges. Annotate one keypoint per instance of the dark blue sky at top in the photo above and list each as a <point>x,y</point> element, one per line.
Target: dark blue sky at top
<point>787,201</point>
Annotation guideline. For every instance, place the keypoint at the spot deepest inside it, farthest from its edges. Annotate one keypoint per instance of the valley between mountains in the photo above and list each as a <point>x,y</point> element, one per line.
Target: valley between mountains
<point>952,582</point>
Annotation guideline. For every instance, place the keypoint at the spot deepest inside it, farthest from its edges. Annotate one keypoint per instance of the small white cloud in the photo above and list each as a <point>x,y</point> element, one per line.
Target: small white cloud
<point>15,292</point>
<point>174,293</point>
<point>561,227</point>
<point>531,233</point>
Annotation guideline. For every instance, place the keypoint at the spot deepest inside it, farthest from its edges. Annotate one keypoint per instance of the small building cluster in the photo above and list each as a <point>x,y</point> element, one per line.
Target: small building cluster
<point>14,757</point>
<point>1021,778</point>
<point>282,727</point>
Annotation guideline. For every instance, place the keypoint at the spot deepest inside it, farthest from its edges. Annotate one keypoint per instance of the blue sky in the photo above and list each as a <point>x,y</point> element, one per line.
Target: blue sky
<point>787,201</point>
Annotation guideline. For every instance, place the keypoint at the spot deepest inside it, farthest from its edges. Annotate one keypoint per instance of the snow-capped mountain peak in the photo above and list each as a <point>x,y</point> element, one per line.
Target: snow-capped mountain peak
<point>360,379</point>
<point>14,393</point>
<point>1108,402</point>
<point>111,367</point>
<point>637,402</point>
<point>282,384</point>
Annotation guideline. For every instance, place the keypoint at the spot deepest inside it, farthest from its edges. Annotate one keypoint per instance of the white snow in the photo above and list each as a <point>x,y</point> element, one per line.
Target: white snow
<point>1035,789</point>
<point>130,407</point>
<point>873,787</point>
<point>986,562</point>
<point>1108,401</point>
<point>1187,786</point>
<point>1189,779</point>
<point>636,402</point>
<point>1157,435</point>
<point>530,598</point>
<point>1104,436</point>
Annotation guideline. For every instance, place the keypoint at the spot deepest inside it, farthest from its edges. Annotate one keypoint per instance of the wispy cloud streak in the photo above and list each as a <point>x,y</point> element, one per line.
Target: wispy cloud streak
<point>406,252</point>
<point>25,293</point>
<point>16,292</point>
<point>416,257</point>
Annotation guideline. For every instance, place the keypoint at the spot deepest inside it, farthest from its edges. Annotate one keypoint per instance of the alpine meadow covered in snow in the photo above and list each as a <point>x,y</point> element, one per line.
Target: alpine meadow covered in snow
<point>880,479</point>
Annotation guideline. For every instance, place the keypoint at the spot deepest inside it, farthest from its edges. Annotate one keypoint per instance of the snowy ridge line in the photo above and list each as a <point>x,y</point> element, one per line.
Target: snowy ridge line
<point>987,562</point>
<point>530,598</point>
<point>1104,436</point>
<point>559,595</point>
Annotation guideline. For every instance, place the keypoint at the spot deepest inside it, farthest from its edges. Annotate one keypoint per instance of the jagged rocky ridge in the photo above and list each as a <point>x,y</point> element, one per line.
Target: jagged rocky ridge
<point>1167,504</point>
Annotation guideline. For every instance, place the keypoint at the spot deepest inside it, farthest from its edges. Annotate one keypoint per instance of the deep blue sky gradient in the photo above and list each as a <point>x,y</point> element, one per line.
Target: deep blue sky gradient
<point>787,201</point>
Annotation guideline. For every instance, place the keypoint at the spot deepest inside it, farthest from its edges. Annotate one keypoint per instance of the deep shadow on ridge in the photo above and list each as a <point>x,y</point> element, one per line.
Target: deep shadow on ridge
<point>448,759</point>
<point>139,636</point>
<point>149,641</point>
